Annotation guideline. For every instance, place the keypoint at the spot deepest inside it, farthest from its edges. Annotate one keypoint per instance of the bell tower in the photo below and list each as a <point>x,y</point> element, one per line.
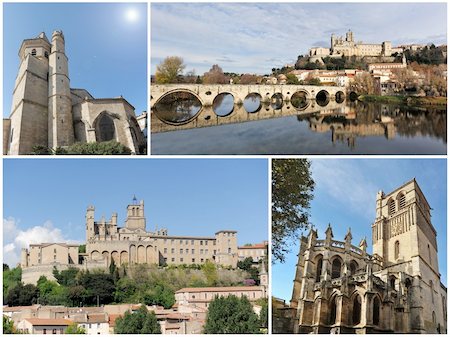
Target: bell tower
<point>402,232</point>
<point>28,118</point>
<point>135,215</point>
<point>60,123</point>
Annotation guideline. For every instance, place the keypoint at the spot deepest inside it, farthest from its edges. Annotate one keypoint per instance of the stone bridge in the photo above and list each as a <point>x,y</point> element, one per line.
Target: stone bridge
<point>207,93</point>
<point>317,98</point>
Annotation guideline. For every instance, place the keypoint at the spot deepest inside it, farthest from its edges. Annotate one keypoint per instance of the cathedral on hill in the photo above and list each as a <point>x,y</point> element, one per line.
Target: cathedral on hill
<point>107,242</point>
<point>341,288</point>
<point>47,112</point>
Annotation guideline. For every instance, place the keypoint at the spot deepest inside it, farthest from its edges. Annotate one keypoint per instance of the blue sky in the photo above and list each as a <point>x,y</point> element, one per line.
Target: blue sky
<point>345,196</point>
<point>106,46</point>
<point>256,37</point>
<point>46,199</point>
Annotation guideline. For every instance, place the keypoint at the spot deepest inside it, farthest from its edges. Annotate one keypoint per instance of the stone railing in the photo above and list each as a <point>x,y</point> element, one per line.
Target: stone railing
<point>356,250</point>
<point>337,244</point>
<point>320,243</point>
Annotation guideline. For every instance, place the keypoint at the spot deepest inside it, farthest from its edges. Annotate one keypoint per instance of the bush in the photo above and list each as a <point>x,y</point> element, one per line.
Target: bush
<point>103,148</point>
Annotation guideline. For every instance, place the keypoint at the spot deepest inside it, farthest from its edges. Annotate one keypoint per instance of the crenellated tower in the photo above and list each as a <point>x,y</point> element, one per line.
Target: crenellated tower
<point>60,121</point>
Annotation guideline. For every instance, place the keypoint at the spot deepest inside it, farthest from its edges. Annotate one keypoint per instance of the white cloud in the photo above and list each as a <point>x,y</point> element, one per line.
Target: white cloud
<point>346,184</point>
<point>252,33</point>
<point>15,238</point>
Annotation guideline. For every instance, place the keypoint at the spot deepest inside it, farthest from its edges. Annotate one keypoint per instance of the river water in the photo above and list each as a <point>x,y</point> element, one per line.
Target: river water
<point>345,128</point>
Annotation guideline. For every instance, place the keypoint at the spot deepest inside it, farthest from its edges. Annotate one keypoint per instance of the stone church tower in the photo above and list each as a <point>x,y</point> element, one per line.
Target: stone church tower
<point>47,112</point>
<point>60,123</point>
<point>340,288</point>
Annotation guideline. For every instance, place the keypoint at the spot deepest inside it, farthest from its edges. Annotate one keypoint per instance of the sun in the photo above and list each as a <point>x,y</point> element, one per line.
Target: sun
<point>132,15</point>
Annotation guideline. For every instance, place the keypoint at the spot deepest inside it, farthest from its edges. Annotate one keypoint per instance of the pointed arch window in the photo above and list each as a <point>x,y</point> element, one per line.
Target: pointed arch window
<point>353,267</point>
<point>356,314</point>
<point>336,268</point>
<point>105,129</point>
<point>392,282</point>
<point>401,201</point>
<point>333,310</point>
<point>319,269</point>
<point>376,311</point>
<point>391,206</point>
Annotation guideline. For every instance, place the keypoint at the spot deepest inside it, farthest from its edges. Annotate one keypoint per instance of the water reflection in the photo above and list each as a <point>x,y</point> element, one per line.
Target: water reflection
<point>177,107</point>
<point>223,104</point>
<point>299,100</point>
<point>252,103</point>
<point>351,127</point>
<point>276,101</point>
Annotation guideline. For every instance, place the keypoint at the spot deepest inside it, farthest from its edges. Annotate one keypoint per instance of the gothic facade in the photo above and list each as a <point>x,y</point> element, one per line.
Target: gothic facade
<point>47,112</point>
<point>340,288</point>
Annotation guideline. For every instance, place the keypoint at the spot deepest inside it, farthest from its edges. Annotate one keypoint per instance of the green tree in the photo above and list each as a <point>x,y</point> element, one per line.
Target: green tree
<point>99,287</point>
<point>231,315</point>
<point>82,249</point>
<point>66,277</point>
<point>264,314</point>
<point>210,271</point>
<point>8,325</point>
<point>126,289</point>
<point>76,295</point>
<point>160,295</point>
<point>140,322</point>
<point>292,79</point>
<point>74,329</point>
<point>11,278</point>
<point>22,295</point>
<point>169,70</point>
<point>292,192</point>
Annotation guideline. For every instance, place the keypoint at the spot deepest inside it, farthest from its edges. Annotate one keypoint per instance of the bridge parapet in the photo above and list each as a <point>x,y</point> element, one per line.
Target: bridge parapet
<point>207,92</point>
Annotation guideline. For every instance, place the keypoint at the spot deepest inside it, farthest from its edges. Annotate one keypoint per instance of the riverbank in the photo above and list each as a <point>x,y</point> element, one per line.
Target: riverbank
<point>405,100</point>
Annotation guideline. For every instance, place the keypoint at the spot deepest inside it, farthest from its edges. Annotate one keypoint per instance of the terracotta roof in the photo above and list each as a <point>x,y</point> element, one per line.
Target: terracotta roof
<point>49,321</point>
<point>217,289</point>
<point>19,308</point>
<point>112,319</point>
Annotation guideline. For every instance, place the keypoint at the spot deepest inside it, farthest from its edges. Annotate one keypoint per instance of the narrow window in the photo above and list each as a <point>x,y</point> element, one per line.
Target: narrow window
<point>333,310</point>
<point>33,52</point>
<point>401,201</point>
<point>356,316</point>
<point>397,249</point>
<point>353,267</point>
<point>376,311</point>
<point>336,269</point>
<point>319,270</point>
<point>392,282</point>
<point>429,254</point>
<point>391,206</point>
<point>46,54</point>
<point>432,291</point>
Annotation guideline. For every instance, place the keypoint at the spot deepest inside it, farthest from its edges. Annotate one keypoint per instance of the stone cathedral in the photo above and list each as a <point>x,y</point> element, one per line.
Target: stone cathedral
<point>340,288</point>
<point>47,112</point>
<point>131,243</point>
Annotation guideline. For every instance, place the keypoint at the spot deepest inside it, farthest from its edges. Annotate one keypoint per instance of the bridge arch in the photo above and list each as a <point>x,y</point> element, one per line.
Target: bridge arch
<point>223,104</point>
<point>300,99</point>
<point>339,97</point>
<point>179,106</point>
<point>323,97</point>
